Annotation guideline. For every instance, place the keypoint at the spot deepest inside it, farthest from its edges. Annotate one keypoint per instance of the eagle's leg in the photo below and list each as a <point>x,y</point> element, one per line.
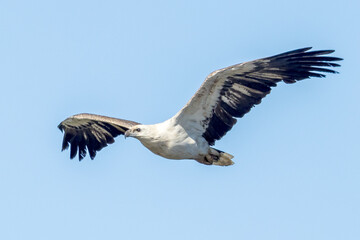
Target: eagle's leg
<point>219,158</point>
<point>216,157</point>
<point>205,159</point>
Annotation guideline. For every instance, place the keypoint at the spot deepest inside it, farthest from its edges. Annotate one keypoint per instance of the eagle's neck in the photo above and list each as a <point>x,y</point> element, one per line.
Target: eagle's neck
<point>158,137</point>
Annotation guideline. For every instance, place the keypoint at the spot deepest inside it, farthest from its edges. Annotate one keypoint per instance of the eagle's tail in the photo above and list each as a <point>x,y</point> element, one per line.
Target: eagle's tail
<point>220,158</point>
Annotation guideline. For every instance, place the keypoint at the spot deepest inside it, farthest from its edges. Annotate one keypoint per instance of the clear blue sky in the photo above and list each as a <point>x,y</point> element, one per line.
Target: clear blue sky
<point>297,171</point>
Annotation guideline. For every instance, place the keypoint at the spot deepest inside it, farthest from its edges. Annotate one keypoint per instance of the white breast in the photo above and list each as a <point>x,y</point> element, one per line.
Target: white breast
<point>171,141</point>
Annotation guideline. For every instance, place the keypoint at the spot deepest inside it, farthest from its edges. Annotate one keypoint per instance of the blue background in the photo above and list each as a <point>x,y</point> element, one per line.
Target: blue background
<point>297,171</point>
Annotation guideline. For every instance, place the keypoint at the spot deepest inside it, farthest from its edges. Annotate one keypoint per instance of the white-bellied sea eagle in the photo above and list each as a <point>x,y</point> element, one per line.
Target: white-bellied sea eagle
<point>225,95</point>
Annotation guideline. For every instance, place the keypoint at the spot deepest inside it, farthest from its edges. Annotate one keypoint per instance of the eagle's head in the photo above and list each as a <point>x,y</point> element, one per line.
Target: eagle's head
<point>137,131</point>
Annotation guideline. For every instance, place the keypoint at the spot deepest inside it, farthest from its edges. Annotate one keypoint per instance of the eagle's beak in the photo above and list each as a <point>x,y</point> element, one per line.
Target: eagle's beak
<point>127,133</point>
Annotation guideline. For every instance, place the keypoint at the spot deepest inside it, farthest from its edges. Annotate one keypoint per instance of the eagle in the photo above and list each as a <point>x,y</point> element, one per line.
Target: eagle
<point>226,94</point>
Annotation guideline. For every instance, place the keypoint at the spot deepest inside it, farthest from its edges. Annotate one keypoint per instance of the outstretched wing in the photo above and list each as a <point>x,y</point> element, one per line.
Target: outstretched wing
<point>92,132</point>
<point>231,92</point>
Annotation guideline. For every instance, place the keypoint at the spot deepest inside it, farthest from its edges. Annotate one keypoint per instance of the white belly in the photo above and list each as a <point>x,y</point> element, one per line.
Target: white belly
<point>187,149</point>
<point>175,143</point>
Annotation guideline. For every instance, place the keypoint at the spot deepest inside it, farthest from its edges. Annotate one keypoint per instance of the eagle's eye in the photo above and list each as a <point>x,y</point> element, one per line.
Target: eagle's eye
<point>138,129</point>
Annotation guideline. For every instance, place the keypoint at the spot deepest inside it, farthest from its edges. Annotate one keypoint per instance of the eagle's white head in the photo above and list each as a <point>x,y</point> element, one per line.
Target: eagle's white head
<point>138,131</point>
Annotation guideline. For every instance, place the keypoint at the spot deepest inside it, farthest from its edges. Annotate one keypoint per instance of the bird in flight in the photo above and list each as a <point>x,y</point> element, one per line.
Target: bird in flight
<point>226,94</point>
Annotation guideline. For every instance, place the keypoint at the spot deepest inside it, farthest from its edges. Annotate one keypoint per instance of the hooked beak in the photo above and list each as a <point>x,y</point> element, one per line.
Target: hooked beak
<point>127,133</point>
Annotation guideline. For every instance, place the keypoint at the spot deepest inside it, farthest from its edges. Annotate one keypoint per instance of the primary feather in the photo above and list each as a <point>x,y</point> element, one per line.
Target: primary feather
<point>91,131</point>
<point>231,92</point>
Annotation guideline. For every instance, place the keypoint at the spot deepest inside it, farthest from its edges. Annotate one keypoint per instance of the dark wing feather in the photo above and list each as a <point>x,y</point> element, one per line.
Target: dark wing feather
<point>91,132</point>
<point>231,92</point>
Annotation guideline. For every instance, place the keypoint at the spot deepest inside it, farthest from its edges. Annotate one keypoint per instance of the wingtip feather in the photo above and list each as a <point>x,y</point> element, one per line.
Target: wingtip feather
<point>60,127</point>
